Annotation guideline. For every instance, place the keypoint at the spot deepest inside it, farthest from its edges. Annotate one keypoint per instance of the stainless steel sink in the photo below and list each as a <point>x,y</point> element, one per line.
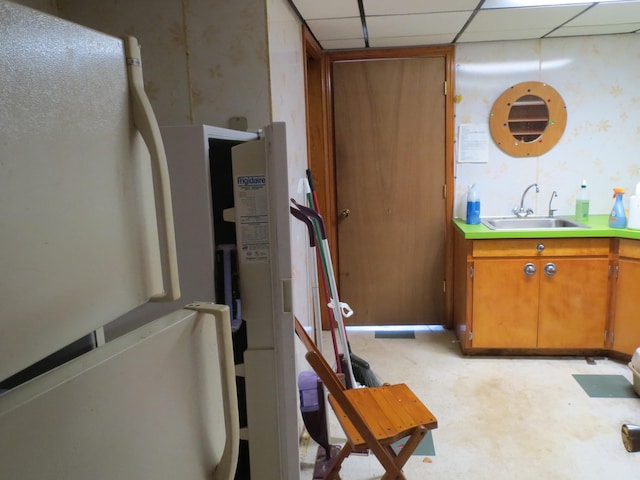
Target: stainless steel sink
<point>531,223</point>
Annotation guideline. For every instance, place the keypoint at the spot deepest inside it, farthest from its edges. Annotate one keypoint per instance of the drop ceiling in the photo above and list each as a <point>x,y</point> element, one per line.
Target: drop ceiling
<point>344,24</point>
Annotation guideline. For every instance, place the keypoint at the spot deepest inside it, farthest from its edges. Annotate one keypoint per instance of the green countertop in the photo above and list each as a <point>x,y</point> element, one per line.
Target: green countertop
<point>599,227</point>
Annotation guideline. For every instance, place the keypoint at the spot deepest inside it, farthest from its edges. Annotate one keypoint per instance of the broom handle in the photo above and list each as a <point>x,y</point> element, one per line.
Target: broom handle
<point>315,204</point>
<point>328,270</point>
<point>312,244</point>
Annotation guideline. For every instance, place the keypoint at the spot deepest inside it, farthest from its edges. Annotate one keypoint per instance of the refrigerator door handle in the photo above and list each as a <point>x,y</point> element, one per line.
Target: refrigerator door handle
<point>145,121</point>
<point>226,469</point>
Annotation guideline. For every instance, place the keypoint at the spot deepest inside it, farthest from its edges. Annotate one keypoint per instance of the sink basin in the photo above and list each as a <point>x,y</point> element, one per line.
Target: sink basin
<point>531,223</point>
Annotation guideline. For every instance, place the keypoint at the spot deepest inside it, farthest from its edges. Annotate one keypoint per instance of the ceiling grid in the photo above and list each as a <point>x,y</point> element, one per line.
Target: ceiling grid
<point>346,24</point>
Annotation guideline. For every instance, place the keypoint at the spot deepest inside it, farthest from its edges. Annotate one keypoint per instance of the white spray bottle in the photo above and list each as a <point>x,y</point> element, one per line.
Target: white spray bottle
<point>634,210</point>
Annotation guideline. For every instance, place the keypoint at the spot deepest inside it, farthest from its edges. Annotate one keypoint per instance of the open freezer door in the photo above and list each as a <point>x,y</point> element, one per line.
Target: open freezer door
<point>157,403</point>
<point>261,199</point>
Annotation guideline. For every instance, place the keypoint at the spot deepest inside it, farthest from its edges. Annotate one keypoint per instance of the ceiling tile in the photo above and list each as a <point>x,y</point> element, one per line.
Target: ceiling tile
<point>336,23</point>
<point>522,18</point>
<point>385,7</point>
<point>492,36</point>
<point>341,44</point>
<point>609,14</point>
<point>313,9</point>
<point>488,4</point>
<point>595,30</point>
<point>336,28</point>
<point>419,24</point>
<point>417,40</point>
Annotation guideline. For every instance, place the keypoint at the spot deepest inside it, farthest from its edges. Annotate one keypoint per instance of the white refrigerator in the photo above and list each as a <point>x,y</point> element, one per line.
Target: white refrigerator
<point>232,186</point>
<point>87,236</point>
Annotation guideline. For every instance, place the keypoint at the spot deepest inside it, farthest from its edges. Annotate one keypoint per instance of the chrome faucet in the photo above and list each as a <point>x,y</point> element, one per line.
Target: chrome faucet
<point>522,212</point>
<point>552,210</point>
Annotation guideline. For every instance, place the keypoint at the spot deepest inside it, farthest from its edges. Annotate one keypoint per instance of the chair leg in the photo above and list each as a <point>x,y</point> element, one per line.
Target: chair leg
<point>337,463</point>
<point>406,451</point>
<point>388,460</point>
<point>411,444</point>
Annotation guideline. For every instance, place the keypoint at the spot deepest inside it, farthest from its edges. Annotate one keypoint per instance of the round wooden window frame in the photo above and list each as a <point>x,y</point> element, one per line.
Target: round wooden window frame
<point>499,120</point>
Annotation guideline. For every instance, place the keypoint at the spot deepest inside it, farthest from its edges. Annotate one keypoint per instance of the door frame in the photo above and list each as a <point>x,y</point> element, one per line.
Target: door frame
<point>321,151</point>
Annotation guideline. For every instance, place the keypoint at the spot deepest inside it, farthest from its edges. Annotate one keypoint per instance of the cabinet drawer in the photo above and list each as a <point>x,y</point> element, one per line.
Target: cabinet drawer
<point>629,248</point>
<point>551,247</point>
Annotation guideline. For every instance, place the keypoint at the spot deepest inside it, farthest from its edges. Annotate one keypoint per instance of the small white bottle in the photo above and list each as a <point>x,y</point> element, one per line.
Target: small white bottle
<point>582,203</point>
<point>634,210</point>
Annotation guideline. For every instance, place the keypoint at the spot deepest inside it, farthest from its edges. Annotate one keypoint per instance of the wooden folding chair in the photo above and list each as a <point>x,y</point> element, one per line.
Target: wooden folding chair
<point>372,418</point>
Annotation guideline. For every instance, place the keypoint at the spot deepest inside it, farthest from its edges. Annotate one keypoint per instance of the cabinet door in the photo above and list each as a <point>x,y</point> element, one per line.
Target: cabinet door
<point>505,304</point>
<point>627,320</point>
<point>573,303</point>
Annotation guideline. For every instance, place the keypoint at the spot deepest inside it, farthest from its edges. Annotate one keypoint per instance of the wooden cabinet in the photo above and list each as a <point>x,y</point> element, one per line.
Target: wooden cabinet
<point>626,334</point>
<point>573,303</point>
<point>533,294</point>
<point>505,304</point>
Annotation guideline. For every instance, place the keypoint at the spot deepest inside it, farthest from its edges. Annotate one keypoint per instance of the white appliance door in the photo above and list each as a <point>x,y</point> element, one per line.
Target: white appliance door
<point>157,403</point>
<point>261,194</point>
<point>80,242</point>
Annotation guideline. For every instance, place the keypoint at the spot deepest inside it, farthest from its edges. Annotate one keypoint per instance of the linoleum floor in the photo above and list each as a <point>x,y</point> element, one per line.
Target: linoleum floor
<point>506,418</point>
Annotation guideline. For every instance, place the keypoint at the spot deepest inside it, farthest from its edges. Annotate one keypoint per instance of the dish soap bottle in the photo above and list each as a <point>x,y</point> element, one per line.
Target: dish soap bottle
<point>582,203</point>
<point>618,217</point>
<point>473,205</point>
<point>634,210</point>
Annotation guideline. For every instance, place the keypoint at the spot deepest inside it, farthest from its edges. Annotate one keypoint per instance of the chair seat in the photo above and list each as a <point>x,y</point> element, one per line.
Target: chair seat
<point>391,413</point>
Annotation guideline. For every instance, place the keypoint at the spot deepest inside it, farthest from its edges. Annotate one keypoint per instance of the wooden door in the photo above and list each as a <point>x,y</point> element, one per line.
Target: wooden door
<point>389,120</point>
<point>505,304</point>
<point>573,303</point>
<point>627,327</point>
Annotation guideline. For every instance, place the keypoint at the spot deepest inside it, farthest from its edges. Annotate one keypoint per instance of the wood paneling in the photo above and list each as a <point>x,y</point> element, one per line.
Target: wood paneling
<point>526,247</point>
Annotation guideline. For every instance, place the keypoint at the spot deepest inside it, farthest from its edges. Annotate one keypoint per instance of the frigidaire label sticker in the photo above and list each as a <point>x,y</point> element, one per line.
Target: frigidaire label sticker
<point>252,215</point>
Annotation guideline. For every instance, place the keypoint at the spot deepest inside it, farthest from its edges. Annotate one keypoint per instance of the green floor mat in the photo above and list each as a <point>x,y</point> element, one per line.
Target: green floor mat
<point>425,448</point>
<point>395,334</point>
<point>606,386</point>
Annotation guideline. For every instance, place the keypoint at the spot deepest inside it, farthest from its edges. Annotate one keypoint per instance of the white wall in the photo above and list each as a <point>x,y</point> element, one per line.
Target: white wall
<point>598,78</point>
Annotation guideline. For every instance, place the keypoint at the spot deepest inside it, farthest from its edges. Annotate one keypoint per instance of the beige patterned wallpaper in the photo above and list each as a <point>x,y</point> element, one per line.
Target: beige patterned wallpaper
<point>598,78</point>
<point>288,104</point>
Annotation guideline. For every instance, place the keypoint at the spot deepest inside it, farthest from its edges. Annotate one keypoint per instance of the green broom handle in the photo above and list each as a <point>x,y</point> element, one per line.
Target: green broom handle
<point>316,304</point>
<point>328,270</point>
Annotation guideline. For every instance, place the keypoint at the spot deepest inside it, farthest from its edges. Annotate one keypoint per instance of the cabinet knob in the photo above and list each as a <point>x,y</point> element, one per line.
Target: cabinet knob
<point>540,247</point>
<point>345,213</point>
<point>550,269</point>
<point>530,269</point>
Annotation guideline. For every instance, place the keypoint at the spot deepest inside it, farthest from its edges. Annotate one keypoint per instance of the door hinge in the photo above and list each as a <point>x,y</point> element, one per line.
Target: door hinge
<point>444,191</point>
<point>445,88</point>
<point>444,286</point>
<point>470,335</point>
<point>471,271</point>
<point>617,271</point>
